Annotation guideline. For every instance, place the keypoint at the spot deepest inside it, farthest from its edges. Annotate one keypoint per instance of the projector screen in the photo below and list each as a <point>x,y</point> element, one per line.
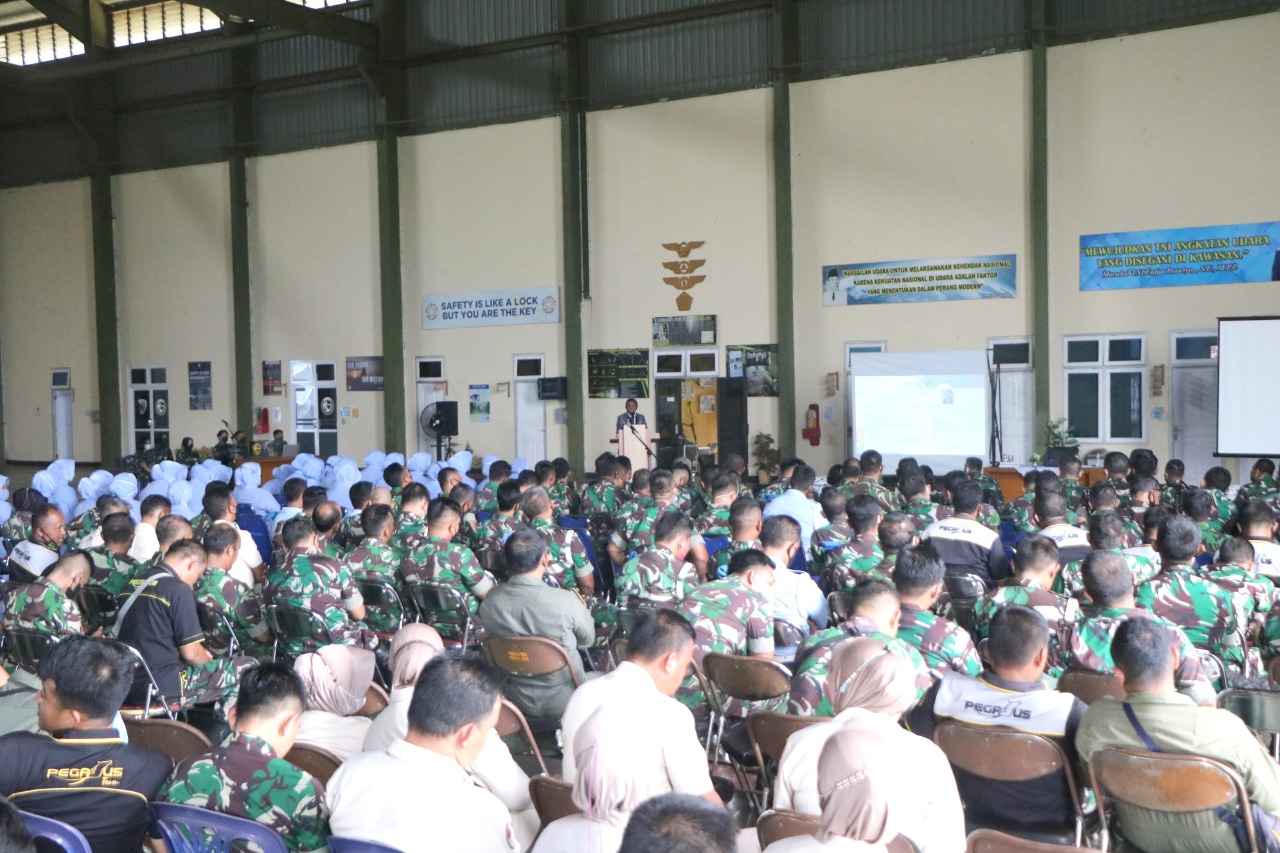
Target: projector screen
<point>1248,409</point>
<point>934,406</point>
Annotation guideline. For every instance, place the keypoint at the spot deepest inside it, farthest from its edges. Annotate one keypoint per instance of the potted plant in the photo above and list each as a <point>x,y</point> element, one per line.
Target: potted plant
<point>1058,434</point>
<point>766,456</point>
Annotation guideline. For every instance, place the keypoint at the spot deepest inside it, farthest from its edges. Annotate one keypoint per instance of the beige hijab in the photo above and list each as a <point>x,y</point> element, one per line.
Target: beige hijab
<point>853,778</point>
<point>605,787</point>
<point>412,648</point>
<point>336,678</point>
<point>866,674</point>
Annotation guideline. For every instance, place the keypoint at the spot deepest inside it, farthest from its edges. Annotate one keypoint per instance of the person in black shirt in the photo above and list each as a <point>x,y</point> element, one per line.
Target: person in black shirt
<point>160,621</point>
<point>84,775</point>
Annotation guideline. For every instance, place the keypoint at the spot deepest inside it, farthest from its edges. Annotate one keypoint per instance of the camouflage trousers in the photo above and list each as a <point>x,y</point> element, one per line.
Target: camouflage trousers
<point>217,682</point>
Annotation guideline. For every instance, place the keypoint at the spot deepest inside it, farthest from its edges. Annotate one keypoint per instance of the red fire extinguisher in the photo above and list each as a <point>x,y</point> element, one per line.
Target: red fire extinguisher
<point>811,430</point>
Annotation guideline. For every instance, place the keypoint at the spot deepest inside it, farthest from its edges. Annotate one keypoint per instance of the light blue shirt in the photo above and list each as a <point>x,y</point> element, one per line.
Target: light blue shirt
<point>797,599</point>
<point>807,513</point>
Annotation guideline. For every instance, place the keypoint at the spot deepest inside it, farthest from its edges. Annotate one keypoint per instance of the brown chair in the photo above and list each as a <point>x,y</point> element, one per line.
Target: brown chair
<point>168,737</point>
<point>552,798</point>
<point>1167,782</point>
<point>991,841</point>
<point>1273,671</point>
<point>740,679</point>
<point>1089,686</point>
<point>769,732</point>
<point>320,763</point>
<point>1260,710</point>
<point>512,722</point>
<point>1004,754</point>
<point>777,824</point>
<point>528,657</point>
<point>376,701</point>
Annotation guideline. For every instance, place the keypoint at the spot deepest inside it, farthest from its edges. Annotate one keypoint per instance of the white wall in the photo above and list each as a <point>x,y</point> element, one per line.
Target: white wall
<point>173,284</point>
<point>47,315</point>
<point>480,210</point>
<point>927,162</point>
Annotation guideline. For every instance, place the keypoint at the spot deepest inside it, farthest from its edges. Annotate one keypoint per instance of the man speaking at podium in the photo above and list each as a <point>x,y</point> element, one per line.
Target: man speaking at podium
<point>630,417</point>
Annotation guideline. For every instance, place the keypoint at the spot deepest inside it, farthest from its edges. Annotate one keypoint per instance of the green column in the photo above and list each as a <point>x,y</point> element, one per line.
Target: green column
<point>573,191</point>
<point>1039,291</point>
<point>97,101</point>
<point>784,57</point>
<point>242,321</point>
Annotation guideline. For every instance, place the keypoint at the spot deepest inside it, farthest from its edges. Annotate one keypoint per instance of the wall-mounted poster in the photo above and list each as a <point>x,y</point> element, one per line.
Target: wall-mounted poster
<point>364,373</point>
<point>684,331</point>
<point>200,385</point>
<point>618,373</point>
<point>1176,257</point>
<point>758,364</point>
<point>930,280</point>
<point>272,379</point>
<point>479,397</point>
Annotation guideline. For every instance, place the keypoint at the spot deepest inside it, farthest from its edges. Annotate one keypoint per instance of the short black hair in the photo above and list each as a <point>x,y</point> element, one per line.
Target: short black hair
<point>393,475</point>
<point>1265,466</point>
<point>186,548</point>
<point>790,463</point>
<point>871,461</point>
<point>29,500</point>
<point>509,495</point>
<point>1256,513</point>
<point>360,491</point>
<point>375,517</point>
<point>833,504</point>
<point>170,529</point>
<point>1069,467</point>
<point>1154,517</point>
<point>1144,483</point>
<point>1048,481</point>
<point>327,516</point>
<point>1035,553</point>
<point>851,469</point>
<point>864,513</point>
<point>297,529</point>
<point>747,559</point>
<point>523,550</point>
<point>414,492</point>
<point>1017,633</point>
<point>743,512</point>
<point>672,525</point>
<point>14,835</point>
<point>624,463</point>
<point>974,464</point>
<point>452,693</point>
<point>443,475</point>
<point>109,503</point>
<point>1106,530</point>
<point>545,471</point>
<point>679,823</point>
<point>1178,539</point>
<point>778,531</point>
<point>1107,577</point>
<point>527,478</point>
<point>91,675</point>
<point>1235,551</point>
<point>723,483</point>
<point>1049,505</point>
<point>267,689</point>
<point>708,473</point>
<point>216,502</point>
<point>640,480</point>
<point>658,634</point>
<point>500,469</point>
<point>562,466</point>
<point>220,537</point>
<point>154,503</point>
<point>803,477</point>
<point>918,568</point>
<point>1140,649</point>
<point>661,481</point>
<point>1116,463</point>
<point>1175,467</point>
<point>313,496</point>
<point>293,489</point>
<point>607,467</point>
<point>1103,496</point>
<point>1218,478</point>
<point>1143,462</point>
<point>868,590</point>
<point>911,485</point>
<point>442,510</point>
<point>966,496</point>
<point>117,528</point>
<point>1198,504</point>
<point>896,531</point>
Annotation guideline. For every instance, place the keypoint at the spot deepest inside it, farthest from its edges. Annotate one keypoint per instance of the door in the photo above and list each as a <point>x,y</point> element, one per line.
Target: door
<point>1194,418</point>
<point>149,414</point>
<point>315,406</point>
<point>733,429</point>
<point>62,424</point>
<point>670,426</point>
<point>1017,411</point>
<point>531,423</point>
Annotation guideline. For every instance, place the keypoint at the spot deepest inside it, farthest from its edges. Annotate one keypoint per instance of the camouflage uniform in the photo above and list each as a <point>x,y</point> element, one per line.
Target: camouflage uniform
<point>683,502</point>
<point>847,488</point>
<point>714,522</point>
<point>224,452</point>
<point>1171,494</point>
<point>42,606</point>
<point>111,571</point>
<point>1253,596</point>
<point>887,498</point>
<point>602,497</point>
<point>990,489</point>
<point>728,618</point>
<point>985,515</point>
<point>1060,612</point>
<point>81,528</point>
<point>245,778</point>
<point>635,533</point>
<point>487,499</point>
<point>568,556</point>
<point>1073,493</point>
<point>1224,511</point>
<point>1211,535</point>
<point>350,532</point>
<point>200,525</point>
<point>224,594</point>
<point>774,490</point>
<point>324,587</point>
<point>1257,489</point>
<point>696,502</point>
<point>922,511</point>
<point>410,527</point>
<point>466,534</point>
<point>655,577</point>
<point>18,527</point>
<point>330,548</point>
<point>189,457</point>
<point>851,562</point>
<point>723,555</point>
<point>376,560</point>
<point>813,661</point>
<point>826,540</point>
<point>1020,514</point>
<point>1089,647</point>
<point>943,644</point>
<point>1197,605</point>
<point>1070,581</point>
<point>494,532</point>
<point>1121,486</point>
<point>439,561</point>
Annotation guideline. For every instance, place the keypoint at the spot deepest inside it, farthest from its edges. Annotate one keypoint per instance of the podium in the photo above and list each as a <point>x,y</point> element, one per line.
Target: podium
<point>631,445</point>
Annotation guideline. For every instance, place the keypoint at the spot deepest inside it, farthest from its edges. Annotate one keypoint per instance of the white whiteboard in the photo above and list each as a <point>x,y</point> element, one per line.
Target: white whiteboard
<point>1248,406</point>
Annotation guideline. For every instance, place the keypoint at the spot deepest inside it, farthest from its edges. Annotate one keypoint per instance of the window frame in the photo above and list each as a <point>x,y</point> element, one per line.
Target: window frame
<point>1104,368</point>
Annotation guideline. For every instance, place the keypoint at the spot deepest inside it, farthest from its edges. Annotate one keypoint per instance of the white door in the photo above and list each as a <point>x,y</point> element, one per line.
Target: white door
<point>1017,416</point>
<point>62,424</point>
<point>531,423</point>
<point>1193,420</point>
<point>428,393</point>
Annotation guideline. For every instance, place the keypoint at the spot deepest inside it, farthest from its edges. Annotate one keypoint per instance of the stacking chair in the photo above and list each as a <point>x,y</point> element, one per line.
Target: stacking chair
<point>64,835</point>
<point>167,737</point>
<point>777,824</point>
<point>381,598</point>
<point>357,845</point>
<point>190,829</point>
<point>295,628</point>
<point>512,722</point>
<point>28,647</point>
<point>964,590</point>
<point>769,732</point>
<point>1260,710</point>
<point>320,763</point>
<point>375,701</point>
<point>444,608</point>
<point>1089,686</point>
<point>552,799</point>
<point>219,636</point>
<point>740,679</point>
<point>992,841</point>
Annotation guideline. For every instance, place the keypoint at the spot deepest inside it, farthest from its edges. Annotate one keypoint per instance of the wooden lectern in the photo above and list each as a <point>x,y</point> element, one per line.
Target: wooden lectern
<point>631,445</point>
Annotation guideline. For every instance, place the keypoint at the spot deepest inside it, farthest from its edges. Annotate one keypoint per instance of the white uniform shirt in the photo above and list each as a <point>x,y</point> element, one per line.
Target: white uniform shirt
<point>417,801</point>
<point>343,736</point>
<point>636,709</point>
<point>145,544</point>
<point>576,832</point>
<point>246,560</point>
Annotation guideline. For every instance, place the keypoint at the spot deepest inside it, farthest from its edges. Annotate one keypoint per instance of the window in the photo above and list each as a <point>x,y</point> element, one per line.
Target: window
<point>1011,353</point>
<point>1195,346</point>
<point>668,363</point>
<point>1104,389</point>
<point>704,362</point>
<point>528,366</point>
<point>431,368</point>
<point>61,377</point>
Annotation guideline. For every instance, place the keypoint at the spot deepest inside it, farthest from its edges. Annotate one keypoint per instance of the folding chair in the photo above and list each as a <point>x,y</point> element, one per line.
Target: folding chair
<point>769,732</point>
<point>155,703</point>
<point>1089,686</point>
<point>630,614</point>
<point>28,647</point>
<point>219,635</point>
<point>777,824</point>
<point>357,845</point>
<point>376,701</point>
<point>529,657</point>
<point>963,591</point>
<point>512,722</point>
<point>381,597</point>
<point>991,841</point>
<point>167,737</point>
<point>253,524</point>
<point>190,829</point>
<point>715,544</point>
<point>320,763</point>
<point>742,679</point>
<point>64,835</point>
<point>1260,710</point>
<point>98,607</point>
<point>552,798</point>
<point>1213,667</point>
<point>1004,754</point>
<point>1166,782</point>
<point>837,608</point>
<point>443,607</point>
<point>295,628</point>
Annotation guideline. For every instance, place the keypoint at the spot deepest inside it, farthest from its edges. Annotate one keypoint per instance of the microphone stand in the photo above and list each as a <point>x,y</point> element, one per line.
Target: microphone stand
<point>650,456</point>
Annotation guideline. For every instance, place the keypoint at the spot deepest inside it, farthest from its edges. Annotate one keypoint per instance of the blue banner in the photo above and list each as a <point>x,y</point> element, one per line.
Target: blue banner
<point>1176,257</point>
<point>932,280</point>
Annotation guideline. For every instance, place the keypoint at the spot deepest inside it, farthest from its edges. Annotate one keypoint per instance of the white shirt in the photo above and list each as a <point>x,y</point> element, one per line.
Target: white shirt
<point>248,559</point>
<point>1266,558</point>
<point>343,736</point>
<point>580,834</point>
<point>32,557</point>
<point>636,709</point>
<point>417,801</point>
<point>797,599</point>
<point>807,513</point>
<point>927,787</point>
<point>809,844</point>
<point>145,544</point>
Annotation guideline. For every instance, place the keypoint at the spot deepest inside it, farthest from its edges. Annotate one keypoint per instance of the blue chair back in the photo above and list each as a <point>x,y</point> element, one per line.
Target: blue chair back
<point>250,522</point>
<point>481,517</point>
<point>574,522</point>
<point>799,562</point>
<point>188,829</point>
<point>355,845</point>
<point>1007,534</point>
<point>715,544</point>
<point>62,834</point>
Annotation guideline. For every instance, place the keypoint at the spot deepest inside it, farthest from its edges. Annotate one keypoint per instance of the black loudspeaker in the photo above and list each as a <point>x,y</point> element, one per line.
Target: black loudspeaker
<point>1055,456</point>
<point>446,417</point>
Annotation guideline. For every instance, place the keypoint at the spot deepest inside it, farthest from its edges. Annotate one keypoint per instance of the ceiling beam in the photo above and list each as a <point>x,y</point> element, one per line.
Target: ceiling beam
<point>87,20</point>
<point>297,19</point>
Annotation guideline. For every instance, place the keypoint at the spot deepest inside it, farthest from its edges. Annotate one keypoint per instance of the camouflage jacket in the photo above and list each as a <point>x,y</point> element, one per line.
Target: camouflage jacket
<point>827,539</point>
<point>922,511</point>
<point>943,644</point>
<point>81,528</point>
<point>323,586</point>
<point>18,527</point>
<point>466,534</point>
<point>487,499</point>
<point>568,555</point>
<point>350,531</point>
<point>696,503</point>
<point>888,499</point>
<point>1121,486</point>
<point>1020,514</point>
<point>991,489</point>
<point>111,571</point>
<point>1258,489</point>
<point>1197,605</point>
<point>728,618</point>
<point>809,694</point>
<point>714,522</point>
<point>245,778</point>
<point>723,555</point>
<point>200,524</point>
<point>1074,492</point>
<point>1252,594</point>
<point>986,515</point>
<point>633,508</point>
<point>410,527</point>
<point>637,533</point>
<point>1070,581</point>
<point>397,496</point>
<point>1089,646</point>
<point>1171,494</point>
<point>375,558</point>
<point>1224,511</point>
<point>655,577</point>
<point>564,501</point>
<point>852,561</point>
<point>775,489</point>
<point>440,561</point>
<point>494,532</point>
<point>1059,611</point>
<point>1212,535</point>
<point>224,594</point>
<point>42,606</point>
<point>602,497</point>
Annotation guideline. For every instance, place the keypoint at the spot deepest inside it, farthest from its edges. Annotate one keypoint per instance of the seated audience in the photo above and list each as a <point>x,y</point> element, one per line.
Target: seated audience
<point>848,563</point>
<point>799,607</point>
<point>436,558</point>
<point>660,575</point>
<point>797,503</point>
<point>220,592</point>
<point>1052,516</point>
<point>45,604</point>
<point>337,678</point>
<point>145,543</point>
<point>679,823</point>
<point>30,557</point>
<point>965,545</point>
<point>942,643</point>
<point>1107,533</point>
